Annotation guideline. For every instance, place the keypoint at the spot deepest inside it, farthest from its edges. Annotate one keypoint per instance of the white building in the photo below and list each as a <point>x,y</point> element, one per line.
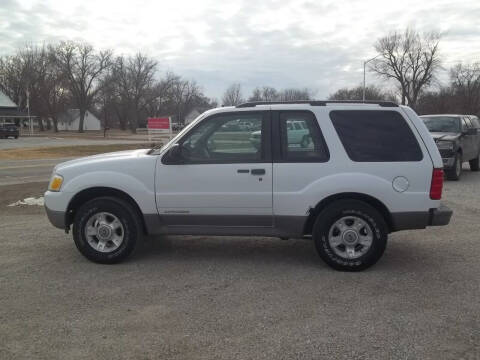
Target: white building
<point>70,121</point>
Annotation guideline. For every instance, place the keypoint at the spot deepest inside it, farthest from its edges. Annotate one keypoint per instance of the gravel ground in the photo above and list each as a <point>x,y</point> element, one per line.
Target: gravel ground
<point>239,298</point>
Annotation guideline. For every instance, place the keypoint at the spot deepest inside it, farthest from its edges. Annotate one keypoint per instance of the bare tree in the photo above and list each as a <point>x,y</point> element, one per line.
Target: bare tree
<point>465,84</point>
<point>293,94</point>
<point>409,58</point>
<point>25,73</point>
<point>233,95</point>
<point>268,93</point>
<point>52,89</point>
<point>371,93</point>
<point>265,93</point>
<point>134,77</point>
<point>83,68</point>
<point>441,101</point>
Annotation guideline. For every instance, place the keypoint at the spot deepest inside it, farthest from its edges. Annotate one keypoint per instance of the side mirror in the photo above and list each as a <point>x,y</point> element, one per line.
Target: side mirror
<point>173,155</point>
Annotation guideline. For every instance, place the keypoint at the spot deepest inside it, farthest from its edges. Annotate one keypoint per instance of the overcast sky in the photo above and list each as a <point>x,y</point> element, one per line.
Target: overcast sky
<point>288,43</point>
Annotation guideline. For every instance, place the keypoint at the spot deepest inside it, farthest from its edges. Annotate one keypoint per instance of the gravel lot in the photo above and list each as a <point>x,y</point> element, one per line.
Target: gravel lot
<point>239,298</point>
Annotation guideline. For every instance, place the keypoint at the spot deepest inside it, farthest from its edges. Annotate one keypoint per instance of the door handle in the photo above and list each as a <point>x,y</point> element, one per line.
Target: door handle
<point>243,171</point>
<point>258,172</point>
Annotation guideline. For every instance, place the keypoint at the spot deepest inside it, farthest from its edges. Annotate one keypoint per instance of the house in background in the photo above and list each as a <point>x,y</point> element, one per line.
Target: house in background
<point>69,121</point>
<point>9,112</point>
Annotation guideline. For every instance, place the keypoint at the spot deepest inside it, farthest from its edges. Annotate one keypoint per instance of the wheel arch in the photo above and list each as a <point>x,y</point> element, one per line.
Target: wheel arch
<point>100,191</point>
<point>372,201</point>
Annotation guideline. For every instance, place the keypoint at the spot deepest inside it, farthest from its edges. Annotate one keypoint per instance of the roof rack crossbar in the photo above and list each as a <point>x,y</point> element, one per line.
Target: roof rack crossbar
<point>319,103</point>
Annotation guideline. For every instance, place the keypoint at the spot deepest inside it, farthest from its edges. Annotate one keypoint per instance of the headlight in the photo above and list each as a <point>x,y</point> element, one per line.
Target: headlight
<point>55,183</point>
<point>445,145</point>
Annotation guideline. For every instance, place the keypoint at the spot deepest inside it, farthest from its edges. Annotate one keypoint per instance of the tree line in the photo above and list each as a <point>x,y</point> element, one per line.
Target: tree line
<point>411,62</point>
<point>122,90</point>
<point>233,95</point>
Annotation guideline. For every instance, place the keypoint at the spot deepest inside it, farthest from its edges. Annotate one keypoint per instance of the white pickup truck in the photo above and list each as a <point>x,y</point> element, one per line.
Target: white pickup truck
<point>368,169</point>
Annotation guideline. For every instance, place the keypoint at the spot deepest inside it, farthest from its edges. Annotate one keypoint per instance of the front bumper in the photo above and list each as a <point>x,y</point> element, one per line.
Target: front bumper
<point>421,219</point>
<point>57,218</point>
<point>56,205</point>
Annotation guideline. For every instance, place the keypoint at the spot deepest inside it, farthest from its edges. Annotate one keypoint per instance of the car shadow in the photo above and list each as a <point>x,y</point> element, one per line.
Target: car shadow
<point>229,249</point>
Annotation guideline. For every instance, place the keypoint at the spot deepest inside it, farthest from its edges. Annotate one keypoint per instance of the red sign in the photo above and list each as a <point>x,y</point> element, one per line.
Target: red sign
<point>159,123</point>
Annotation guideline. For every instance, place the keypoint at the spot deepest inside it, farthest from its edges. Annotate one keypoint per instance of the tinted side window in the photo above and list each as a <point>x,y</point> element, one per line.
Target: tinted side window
<point>301,138</point>
<point>369,135</point>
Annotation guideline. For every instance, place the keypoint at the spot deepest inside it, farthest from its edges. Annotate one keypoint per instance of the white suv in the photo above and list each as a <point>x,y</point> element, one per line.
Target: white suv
<point>365,170</point>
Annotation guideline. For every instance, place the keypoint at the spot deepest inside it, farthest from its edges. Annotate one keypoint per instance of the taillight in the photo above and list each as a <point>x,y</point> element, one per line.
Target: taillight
<point>437,184</point>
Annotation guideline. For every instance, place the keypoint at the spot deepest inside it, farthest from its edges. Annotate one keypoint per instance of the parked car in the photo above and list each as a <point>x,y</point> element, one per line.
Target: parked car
<point>372,169</point>
<point>298,134</point>
<point>9,130</point>
<point>458,140</point>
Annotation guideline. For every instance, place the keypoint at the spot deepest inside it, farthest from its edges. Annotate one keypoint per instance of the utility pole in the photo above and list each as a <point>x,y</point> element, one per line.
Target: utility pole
<point>28,110</point>
<point>364,71</point>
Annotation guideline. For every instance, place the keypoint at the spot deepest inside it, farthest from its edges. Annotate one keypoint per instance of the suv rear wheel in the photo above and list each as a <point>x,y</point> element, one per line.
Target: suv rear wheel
<point>106,230</point>
<point>350,235</point>
<point>475,164</point>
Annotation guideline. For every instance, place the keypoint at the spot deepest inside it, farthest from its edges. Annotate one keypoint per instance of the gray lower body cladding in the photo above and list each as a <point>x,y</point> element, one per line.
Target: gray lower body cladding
<point>420,220</point>
<point>281,226</point>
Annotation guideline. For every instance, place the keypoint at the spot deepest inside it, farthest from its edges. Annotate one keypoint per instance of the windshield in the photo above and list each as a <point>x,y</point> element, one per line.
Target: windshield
<point>442,124</point>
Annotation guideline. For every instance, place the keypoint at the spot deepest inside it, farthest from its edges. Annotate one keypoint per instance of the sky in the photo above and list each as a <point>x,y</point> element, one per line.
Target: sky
<point>289,43</point>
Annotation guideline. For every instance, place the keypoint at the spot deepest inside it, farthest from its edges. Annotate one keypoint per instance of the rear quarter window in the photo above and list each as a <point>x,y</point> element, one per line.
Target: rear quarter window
<point>375,136</point>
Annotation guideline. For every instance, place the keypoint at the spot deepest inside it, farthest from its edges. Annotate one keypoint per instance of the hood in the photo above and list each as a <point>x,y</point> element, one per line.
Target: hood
<point>448,136</point>
<point>101,158</point>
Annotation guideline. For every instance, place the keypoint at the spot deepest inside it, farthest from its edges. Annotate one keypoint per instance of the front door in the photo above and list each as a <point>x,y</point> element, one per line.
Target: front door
<point>224,177</point>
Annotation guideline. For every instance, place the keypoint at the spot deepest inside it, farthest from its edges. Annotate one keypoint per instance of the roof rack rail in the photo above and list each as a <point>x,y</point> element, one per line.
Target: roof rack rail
<point>319,103</point>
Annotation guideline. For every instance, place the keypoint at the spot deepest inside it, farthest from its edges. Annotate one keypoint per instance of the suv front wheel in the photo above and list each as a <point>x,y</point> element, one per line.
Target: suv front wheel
<point>456,171</point>
<point>350,235</point>
<point>106,230</point>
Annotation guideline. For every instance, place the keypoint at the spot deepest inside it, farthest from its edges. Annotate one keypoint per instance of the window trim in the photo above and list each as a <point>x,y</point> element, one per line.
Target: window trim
<point>279,133</point>
<point>266,140</point>
<point>407,123</point>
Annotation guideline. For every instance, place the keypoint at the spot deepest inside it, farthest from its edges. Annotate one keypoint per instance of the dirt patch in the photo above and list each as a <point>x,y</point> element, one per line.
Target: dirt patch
<point>65,151</point>
<point>12,193</point>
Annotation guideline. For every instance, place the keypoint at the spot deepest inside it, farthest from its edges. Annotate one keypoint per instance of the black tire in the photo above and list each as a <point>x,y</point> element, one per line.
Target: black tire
<point>456,171</point>
<point>345,208</point>
<point>132,229</point>
<point>475,164</point>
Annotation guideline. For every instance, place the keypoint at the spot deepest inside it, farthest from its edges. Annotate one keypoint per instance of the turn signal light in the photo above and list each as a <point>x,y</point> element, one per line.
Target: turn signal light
<point>55,183</point>
<point>436,186</point>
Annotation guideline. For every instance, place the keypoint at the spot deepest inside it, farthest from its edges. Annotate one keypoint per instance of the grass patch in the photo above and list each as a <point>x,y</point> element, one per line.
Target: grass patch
<point>65,151</point>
